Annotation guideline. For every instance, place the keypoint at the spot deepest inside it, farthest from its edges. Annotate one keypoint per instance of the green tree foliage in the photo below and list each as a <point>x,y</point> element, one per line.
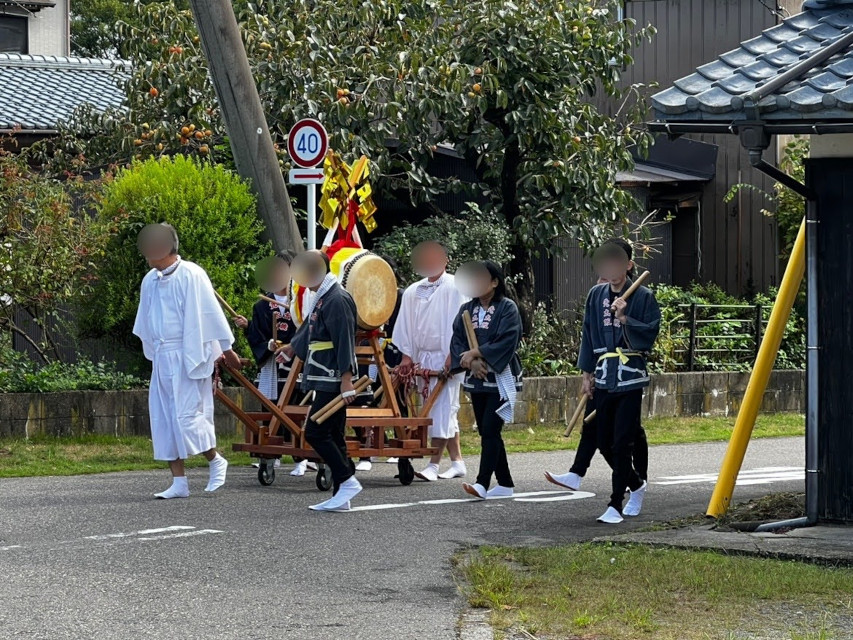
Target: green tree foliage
<point>48,252</point>
<point>512,85</point>
<point>214,214</point>
<point>473,235</point>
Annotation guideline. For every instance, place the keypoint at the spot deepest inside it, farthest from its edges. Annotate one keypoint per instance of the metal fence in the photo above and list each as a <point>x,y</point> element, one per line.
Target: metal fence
<point>716,336</point>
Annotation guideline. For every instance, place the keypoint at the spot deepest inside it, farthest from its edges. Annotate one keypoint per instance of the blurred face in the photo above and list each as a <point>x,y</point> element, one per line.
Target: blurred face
<point>429,260</point>
<point>272,274</point>
<point>308,269</point>
<point>474,281</point>
<point>612,264</point>
<point>154,243</point>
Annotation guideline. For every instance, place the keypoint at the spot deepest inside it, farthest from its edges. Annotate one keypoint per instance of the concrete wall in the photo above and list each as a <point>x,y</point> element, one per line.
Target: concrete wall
<point>48,31</point>
<point>544,401</point>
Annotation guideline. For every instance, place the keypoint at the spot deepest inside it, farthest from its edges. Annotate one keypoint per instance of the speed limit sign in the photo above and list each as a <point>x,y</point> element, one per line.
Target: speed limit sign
<point>307,143</point>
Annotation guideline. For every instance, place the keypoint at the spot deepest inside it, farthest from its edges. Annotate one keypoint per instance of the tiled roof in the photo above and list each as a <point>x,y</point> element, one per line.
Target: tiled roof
<point>38,92</point>
<point>719,91</point>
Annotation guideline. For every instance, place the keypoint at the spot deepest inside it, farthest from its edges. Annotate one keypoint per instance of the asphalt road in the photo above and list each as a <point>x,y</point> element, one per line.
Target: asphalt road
<point>98,557</point>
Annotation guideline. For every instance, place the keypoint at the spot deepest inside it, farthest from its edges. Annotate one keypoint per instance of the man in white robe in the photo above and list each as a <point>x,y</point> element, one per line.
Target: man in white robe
<point>423,333</point>
<point>183,332</point>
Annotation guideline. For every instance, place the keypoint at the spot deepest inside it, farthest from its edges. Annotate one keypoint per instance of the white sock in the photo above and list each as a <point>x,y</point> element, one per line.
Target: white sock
<point>218,470</point>
<point>179,489</point>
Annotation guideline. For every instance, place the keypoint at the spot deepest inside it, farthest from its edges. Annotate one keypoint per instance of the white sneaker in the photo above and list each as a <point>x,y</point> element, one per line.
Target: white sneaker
<point>299,469</point>
<point>218,470</point>
<point>429,473</point>
<point>364,465</point>
<point>179,489</point>
<point>499,492</point>
<point>476,490</point>
<point>568,480</point>
<point>457,470</point>
<point>348,490</point>
<point>392,460</point>
<point>611,516</point>
<point>635,502</point>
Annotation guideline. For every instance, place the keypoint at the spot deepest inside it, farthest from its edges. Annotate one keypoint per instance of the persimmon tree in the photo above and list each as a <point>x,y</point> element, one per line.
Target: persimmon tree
<point>529,92</point>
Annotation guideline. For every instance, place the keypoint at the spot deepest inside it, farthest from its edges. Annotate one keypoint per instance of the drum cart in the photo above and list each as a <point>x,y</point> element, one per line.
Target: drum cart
<point>279,428</point>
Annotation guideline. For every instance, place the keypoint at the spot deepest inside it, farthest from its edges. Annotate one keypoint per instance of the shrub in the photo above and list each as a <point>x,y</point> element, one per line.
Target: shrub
<point>19,374</point>
<point>214,214</point>
<point>551,347</point>
<point>472,235</point>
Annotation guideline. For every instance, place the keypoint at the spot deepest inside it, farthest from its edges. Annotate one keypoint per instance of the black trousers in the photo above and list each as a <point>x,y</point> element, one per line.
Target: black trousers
<point>493,455</point>
<point>618,423</point>
<point>328,439</point>
<point>588,445</point>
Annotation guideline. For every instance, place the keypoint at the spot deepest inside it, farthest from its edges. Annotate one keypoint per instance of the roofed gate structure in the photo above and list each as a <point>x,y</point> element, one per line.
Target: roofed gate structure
<point>797,78</point>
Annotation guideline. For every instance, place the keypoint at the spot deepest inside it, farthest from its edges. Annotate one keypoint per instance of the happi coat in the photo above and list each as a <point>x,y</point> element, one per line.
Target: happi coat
<point>183,332</point>
<point>423,331</point>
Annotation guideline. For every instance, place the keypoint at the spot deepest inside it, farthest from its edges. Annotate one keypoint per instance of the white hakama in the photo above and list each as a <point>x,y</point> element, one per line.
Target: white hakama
<point>423,332</point>
<point>183,332</point>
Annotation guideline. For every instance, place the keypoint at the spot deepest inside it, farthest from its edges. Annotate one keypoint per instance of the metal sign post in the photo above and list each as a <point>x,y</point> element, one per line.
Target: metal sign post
<point>307,144</point>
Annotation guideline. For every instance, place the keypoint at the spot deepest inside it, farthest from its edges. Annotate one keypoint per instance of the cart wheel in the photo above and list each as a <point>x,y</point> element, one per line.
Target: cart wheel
<point>266,474</point>
<point>406,472</point>
<point>324,478</point>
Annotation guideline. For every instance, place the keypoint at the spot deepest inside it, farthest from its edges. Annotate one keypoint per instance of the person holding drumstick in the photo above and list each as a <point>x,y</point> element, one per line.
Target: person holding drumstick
<point>487,350</point>
<point>617,336</point>
<point>326,344</point>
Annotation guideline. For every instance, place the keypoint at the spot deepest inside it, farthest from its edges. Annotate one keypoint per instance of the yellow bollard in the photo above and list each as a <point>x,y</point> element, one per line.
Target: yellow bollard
<point>722,496</point>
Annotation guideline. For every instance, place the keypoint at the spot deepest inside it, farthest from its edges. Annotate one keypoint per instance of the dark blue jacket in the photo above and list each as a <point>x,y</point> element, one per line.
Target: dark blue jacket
<point>259,331</point>
<point>604,334</point>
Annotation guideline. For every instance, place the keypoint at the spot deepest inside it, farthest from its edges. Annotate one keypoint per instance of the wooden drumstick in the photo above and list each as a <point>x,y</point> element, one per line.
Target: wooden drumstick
<point>469,330</point>
<point>308,398</point>
<point>582,400</point>
<point>275,318</point>
<point>225,305</point>
<point>335,405</point>
<point>590,417</point>
<point>270,300</point>
<point>634,286</point>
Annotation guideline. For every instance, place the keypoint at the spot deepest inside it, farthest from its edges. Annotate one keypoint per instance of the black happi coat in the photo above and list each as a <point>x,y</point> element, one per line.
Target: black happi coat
<point>259,331</point>
<point>333,319</point>
<point>499,336</point>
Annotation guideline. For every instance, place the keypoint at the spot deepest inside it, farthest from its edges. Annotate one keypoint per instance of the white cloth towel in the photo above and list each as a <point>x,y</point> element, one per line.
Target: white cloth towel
<point>327,284</point>
<point>506,387</point>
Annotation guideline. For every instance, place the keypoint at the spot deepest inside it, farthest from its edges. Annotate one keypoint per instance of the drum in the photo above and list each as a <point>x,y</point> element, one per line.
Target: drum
<point>368,279</point>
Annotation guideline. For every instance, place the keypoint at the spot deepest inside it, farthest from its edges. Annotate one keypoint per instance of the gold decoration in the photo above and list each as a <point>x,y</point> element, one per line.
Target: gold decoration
<point>344,184</point>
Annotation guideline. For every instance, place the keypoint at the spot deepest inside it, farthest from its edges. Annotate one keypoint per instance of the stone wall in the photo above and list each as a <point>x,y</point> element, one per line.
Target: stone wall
<point>544,400</point>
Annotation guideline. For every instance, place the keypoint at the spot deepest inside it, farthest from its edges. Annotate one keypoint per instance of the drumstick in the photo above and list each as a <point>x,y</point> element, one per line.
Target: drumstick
<point>469,330</point>
<point>308,397</point>
<point>335,405</point>
<point>275,317</point>
<point>227,306</point>
<point>276,302</point>
<point>634,286</point>
<point>582,400</point>
<point>590,417</point>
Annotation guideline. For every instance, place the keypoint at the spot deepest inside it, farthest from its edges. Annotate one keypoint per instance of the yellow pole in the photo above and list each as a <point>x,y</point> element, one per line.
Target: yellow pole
<point>745,422</point>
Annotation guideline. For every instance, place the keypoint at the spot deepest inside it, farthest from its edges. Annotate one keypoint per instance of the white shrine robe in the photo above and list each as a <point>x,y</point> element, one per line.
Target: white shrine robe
<point>183,332</point>
<point>423,331</point>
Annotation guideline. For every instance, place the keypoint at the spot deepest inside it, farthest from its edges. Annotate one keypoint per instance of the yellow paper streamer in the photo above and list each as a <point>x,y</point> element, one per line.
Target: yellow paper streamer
<point>341,184</point>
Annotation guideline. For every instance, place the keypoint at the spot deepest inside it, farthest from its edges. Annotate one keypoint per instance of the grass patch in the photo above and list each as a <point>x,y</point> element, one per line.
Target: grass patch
<point>606,592</point>
<point>49,456</point>
<point>659,431</point>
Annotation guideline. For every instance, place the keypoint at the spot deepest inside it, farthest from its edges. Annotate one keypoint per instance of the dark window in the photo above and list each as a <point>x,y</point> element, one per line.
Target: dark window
<point>13,34</point>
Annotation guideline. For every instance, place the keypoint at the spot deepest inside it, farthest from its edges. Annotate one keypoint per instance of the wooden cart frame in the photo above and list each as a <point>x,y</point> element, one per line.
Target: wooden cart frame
<point>279,428</point>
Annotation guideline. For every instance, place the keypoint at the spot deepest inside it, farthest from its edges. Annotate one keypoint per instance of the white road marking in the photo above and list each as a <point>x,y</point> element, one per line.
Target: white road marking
<point>185,534</point>
<point>763,475</point>
<point>9,548</point>
<point>144,532</point>
<point>530,496</point>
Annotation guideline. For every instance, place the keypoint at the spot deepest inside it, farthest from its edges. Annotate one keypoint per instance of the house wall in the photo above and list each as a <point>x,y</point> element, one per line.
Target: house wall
<point>738,243</point>
<point>49,31</point>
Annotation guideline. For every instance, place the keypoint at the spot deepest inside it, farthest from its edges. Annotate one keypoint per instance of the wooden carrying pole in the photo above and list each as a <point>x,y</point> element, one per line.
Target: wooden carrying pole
<point>338,403</point>
<point>469,330</point>
<point>225,305</point>
<point>271,301</point>
<point>582,400</point>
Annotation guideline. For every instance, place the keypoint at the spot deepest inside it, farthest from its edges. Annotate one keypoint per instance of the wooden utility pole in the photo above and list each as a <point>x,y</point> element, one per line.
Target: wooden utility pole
<point>244,117</point>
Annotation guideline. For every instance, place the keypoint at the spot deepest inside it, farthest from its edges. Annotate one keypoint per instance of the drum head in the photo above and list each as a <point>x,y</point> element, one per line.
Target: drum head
<point>371,283</point>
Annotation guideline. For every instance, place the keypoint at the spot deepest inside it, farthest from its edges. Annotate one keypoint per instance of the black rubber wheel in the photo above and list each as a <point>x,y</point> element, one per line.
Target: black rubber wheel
<point>405,471</point>
<point>324,478</point>
<point>266,474</point>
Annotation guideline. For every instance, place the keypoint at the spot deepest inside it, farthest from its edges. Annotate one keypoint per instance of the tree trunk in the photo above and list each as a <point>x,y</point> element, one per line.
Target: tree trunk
<point>245,121</point>
<point>524,286</point>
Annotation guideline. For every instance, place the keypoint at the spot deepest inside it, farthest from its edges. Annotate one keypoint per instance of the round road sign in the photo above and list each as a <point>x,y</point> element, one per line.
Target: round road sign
<point>307,143</point>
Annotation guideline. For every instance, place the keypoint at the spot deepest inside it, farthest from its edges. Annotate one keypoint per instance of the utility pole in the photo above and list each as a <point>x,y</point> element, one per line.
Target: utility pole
<point>244,118</point>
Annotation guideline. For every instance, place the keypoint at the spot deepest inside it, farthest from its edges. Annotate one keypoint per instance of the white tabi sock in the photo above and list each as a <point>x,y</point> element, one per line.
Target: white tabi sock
<point>457,470</point>
<point>179,489</point>
<point>218,469</point>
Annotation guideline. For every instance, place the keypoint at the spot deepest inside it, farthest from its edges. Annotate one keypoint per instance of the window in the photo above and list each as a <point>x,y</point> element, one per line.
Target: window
<point>13,34</point>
